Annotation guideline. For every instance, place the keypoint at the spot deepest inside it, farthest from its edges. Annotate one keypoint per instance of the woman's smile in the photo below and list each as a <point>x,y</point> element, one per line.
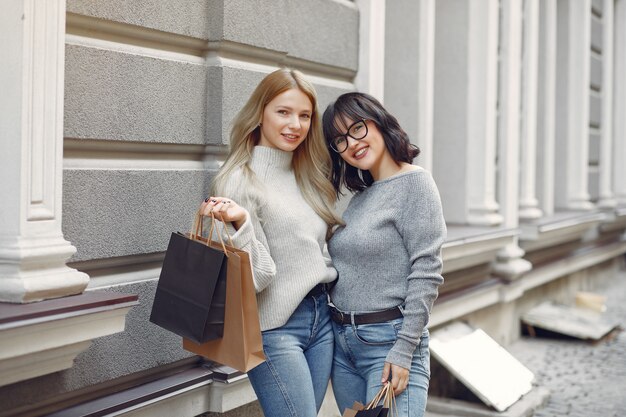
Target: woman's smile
<point>290,137</point>
<point>361,153</point>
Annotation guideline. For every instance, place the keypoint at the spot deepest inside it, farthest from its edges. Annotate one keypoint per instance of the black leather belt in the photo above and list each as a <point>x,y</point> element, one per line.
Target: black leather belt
<point>365,318</point>
<point>319,289</point>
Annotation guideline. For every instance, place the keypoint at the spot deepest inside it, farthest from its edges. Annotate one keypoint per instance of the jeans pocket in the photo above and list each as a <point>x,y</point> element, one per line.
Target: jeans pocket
<point>377,334</point>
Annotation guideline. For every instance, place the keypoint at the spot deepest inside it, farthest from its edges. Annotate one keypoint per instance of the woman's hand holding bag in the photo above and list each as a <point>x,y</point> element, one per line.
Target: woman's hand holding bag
<point>224,209</point>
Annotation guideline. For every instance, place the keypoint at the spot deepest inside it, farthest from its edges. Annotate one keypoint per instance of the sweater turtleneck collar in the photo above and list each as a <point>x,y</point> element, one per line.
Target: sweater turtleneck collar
<point>266,156</point>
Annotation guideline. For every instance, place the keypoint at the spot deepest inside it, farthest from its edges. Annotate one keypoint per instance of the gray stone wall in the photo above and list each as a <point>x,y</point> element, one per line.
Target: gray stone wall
<point>125,97</point>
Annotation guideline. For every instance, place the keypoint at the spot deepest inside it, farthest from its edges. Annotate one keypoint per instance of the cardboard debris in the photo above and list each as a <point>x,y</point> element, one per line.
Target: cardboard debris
<point>590,300</point>
<point>579,322</point>
<point>481,364</point>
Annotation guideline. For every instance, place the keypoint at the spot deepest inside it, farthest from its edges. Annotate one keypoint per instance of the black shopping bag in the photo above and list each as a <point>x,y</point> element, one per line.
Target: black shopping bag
<point>191,292</point>
<point>355,411</point>
<point>378,411</point>
<point>373,409</point>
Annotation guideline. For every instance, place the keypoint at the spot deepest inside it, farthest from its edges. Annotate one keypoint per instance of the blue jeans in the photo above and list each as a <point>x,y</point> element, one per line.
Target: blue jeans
<point>293,380</point>
<point>360,353</point>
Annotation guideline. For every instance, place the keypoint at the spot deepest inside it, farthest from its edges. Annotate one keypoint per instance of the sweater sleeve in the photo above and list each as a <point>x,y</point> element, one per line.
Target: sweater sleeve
<point>326,256</point>
<point>423,231</point>
<point>251,238</point>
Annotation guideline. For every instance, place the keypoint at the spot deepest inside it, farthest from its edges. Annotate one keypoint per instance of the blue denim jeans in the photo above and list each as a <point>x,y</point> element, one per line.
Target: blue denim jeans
<point>293,380</point>
<point>360,353</point>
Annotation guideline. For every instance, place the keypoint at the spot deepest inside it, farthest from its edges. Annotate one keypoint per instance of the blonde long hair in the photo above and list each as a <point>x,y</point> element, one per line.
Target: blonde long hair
<point>311,161</point>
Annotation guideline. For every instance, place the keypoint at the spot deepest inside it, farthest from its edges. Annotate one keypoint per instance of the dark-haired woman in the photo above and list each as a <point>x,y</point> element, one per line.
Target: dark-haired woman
<point>388,256</point>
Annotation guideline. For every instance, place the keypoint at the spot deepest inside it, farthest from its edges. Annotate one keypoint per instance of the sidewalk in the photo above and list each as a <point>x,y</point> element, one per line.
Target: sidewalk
<point>585,379</point>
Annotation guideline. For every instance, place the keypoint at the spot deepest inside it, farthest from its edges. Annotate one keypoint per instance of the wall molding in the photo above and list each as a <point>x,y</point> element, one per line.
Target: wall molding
<point>123,37</point>
<point>124,33</point>
<point>124,155</point>
<point>121,270</point>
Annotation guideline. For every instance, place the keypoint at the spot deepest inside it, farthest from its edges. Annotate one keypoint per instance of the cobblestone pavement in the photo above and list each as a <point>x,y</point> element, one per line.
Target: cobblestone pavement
<point>585,379</point>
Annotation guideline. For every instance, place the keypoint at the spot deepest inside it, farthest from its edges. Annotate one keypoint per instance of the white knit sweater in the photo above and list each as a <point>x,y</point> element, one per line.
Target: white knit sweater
<point>284,236</point>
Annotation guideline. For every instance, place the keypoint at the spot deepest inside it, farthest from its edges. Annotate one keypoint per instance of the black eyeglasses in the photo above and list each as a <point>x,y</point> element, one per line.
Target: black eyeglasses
<point>357,131</point>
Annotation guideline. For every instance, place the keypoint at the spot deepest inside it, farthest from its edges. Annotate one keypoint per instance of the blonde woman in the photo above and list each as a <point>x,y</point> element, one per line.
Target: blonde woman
<point>274,193</point>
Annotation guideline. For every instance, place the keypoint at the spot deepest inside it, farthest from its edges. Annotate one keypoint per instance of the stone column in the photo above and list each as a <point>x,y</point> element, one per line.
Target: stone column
<point>619,109</point>
<point>572,111</point>
<point>466,66</point>
<point>606,198</point>
<point>371,76</point>
<point>546,97</point>
<point>409,70</point>
<point>509,263</point>
<point>33,251</point>
<point>529,205</point>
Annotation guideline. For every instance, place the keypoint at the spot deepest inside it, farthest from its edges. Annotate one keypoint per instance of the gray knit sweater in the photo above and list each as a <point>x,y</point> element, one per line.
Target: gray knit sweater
<point>284,235</point>
<point>389,254</point>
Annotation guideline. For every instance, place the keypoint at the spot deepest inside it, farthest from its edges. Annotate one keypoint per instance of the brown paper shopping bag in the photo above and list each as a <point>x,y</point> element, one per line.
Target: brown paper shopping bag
<point>241,347</point>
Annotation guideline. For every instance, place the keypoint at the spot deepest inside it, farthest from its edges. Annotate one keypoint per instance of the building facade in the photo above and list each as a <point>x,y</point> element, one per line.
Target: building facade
<point>115,116</point>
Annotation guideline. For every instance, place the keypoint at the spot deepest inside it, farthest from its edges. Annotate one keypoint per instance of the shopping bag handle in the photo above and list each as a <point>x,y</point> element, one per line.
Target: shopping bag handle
<point>390,401</point>
<point>219,235</point>
<point>198,226</point>
<point>198,229</point>
<point>386,396</point>
<point>379,395</point>
<point>230,239</point>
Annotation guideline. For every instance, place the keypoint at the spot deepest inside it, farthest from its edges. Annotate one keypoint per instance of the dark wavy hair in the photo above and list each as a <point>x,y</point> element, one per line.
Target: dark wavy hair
<point>360,106</point>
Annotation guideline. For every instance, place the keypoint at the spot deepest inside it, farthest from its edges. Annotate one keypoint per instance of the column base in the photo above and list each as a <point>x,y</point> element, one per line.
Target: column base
<point>484,219</point>
<point>607,203</point>
<point>529,213</point>
<point>509,263</point>
<point>34,269</point>
<point>582,205</point>
<point>43,284</point>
